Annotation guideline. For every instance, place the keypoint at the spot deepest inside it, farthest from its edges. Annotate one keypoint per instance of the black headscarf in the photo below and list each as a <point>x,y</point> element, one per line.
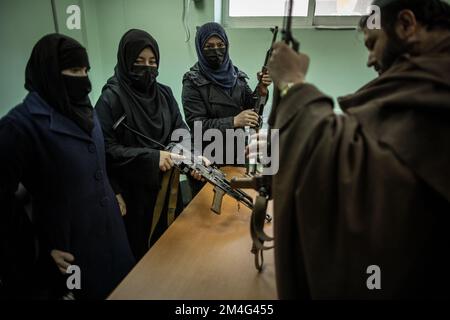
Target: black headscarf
<point>147,112</point>
<point>226,75</point>
<point>52,54</point>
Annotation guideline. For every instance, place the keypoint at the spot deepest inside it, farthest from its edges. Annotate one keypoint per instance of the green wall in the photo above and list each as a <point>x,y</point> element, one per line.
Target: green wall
<point>22,23</point>
<point>338,58</point>
<point>163,20</point>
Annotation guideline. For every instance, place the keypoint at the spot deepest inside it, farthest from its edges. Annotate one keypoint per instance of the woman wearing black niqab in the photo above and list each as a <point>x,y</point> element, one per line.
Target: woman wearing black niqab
<point>59,83</point>
<point>52,143</point>
<point>140,170</point>
<point>216,93</point>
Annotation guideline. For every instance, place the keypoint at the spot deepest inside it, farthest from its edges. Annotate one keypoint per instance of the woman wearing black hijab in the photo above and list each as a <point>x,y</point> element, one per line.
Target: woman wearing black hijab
<point>140,170</point>
<point>215,92</point>
<point>52,143</point>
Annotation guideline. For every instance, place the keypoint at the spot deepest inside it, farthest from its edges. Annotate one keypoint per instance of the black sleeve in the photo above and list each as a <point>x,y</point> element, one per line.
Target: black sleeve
<point>14,148</point>
<point>195,109</point>
<point>131,164</point>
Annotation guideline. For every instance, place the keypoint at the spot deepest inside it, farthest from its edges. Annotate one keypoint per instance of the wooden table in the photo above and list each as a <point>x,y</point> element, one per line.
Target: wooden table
<point>203,256</point>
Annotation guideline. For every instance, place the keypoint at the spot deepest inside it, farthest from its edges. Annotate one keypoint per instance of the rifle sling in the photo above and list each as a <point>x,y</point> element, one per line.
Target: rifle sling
<point>257,231</point>
<point>169,178</point>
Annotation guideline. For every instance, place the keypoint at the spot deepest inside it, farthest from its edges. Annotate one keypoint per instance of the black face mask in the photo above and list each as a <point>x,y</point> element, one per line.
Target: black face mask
<point>215,57</point>
<point>143,77</point>
<point>78,88</point>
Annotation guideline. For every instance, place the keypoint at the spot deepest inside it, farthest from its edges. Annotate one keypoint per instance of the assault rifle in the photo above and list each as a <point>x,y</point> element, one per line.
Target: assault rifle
<point>262,100</point>
<point>211,174</point>
<point>263,183</point>
<point>251,168</point>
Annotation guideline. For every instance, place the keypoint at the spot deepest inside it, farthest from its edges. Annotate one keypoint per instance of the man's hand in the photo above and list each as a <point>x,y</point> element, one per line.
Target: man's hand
<point>62,260</point>
<point>266,81</point>
<point>287,66</point>
<point>166,160</point>
<point>122,204</point>
<point>246,118</point>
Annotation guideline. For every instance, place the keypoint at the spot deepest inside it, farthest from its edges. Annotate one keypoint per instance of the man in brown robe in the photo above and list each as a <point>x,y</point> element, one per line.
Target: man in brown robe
<point>362,199</point>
